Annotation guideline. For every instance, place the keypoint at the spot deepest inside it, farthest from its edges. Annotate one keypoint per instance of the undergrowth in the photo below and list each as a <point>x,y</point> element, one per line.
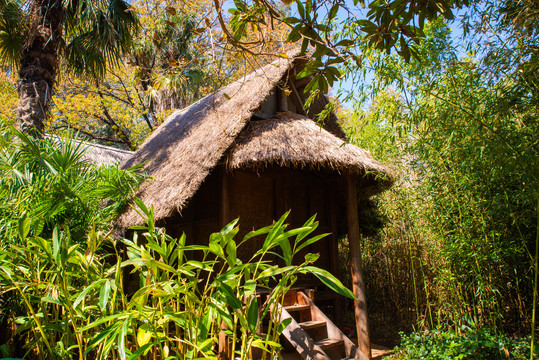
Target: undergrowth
<point>476,344</point>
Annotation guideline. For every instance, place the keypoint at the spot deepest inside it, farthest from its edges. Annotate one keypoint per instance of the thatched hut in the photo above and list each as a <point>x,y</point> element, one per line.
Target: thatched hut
<point>250,151</point>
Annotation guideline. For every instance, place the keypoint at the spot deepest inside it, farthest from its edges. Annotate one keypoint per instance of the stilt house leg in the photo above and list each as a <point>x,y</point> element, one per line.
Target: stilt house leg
<point>358,286</point>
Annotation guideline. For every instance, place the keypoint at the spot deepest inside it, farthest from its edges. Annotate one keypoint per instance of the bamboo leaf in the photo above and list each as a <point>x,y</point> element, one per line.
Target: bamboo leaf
<point>311,241</point>
<point>55,243</point>
<point>231,252</point>
<point>104,295</point>
<point>141,350</point>
<point>231,298</point>
<point>122,335</point>
<point>252,314</point>
<point>329,280</point>
<point>104,320</point>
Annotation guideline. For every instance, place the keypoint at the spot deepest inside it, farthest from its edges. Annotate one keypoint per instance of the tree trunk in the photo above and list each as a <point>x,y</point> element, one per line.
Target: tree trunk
<point>39,63</point>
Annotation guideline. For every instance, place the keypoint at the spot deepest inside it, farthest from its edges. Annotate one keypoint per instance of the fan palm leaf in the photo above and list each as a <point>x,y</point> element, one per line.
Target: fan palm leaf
<point>12,30</point>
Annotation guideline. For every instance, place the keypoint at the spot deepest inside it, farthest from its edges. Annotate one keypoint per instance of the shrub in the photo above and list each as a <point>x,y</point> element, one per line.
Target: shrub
<point>475,344</point>
<point>75,303</point>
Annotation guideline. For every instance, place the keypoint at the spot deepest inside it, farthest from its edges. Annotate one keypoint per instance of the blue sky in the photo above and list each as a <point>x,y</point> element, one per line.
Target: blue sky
<point>456,31</point>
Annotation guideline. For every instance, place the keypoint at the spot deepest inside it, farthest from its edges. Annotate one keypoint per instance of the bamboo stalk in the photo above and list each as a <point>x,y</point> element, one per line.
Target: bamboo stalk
<point>532,343</point>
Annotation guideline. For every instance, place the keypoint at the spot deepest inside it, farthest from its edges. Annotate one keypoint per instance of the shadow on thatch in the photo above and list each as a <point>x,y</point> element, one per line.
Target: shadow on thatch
<point>296,141</point>
<point>183,150</point>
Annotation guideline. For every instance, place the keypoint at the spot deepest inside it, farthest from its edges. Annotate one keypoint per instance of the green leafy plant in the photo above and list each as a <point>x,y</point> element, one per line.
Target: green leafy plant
<point>77,303</point>
<point>474,344</point>
<point>50,181</point>
<point>463,212</point>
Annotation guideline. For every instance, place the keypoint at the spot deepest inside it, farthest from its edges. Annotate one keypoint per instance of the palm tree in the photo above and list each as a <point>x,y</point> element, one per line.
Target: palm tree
<point>85,36</point>
<point>169,68</point>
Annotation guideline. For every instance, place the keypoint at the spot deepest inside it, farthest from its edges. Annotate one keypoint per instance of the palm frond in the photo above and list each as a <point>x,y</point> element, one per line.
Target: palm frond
<point>13,29</point>
<point>97,35</point>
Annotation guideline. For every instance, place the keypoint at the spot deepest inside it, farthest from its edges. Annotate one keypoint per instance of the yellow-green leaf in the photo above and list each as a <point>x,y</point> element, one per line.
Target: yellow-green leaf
<point>144,335</point>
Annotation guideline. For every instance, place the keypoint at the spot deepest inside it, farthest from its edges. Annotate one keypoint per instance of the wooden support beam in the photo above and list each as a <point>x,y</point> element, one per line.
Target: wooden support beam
<point>358,286</point>
<point>296,98</point>
<point>282,99</point>
<point>225,351</point>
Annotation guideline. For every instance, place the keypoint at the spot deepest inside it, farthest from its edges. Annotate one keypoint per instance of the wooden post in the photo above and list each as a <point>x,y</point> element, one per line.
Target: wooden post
<point>358,286</point>
<point>282,99</point>
<point>225,352</point>
<point>296,98</point>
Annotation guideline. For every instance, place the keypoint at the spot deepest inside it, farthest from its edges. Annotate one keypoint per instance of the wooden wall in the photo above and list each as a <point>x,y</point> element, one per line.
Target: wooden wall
<point>258,198</point>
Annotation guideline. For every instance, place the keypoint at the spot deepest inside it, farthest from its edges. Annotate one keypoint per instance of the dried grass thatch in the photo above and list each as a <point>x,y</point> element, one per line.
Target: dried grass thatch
<point>180,154</point>
<point>296,141</point>
<point>183,150</point>
<point>105,155</point>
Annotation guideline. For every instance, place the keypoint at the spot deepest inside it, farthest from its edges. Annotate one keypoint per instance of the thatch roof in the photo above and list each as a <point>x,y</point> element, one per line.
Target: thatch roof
<point>105,155</point>
<point>296,141</point>
<point>180,153</point>
<point>183,150</point>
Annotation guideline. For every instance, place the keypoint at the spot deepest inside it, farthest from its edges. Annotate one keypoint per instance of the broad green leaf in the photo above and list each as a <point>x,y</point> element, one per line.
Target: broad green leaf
<point>333,11</point>
<point>284,324</point>
<point>141,206</point>
<point>122,335</point>
<point>311,241</point>
<point>291,20</point>
<point>311,258</point>
<point>252,314</point>
<point>329,280</point>
<point>258,232</point>
<point>276,229</point>
<point>104,295</point>
<point>24,227</point>
<point>231,298</point>
<point>105,319</point>
<point>107,334</point>
<point>294,34</point>
<point>55,243</point>
<point>249,287</point>
<point>141,350</point>
<point>284,244</point>
<point>231,252</point>
<point>50,300</point>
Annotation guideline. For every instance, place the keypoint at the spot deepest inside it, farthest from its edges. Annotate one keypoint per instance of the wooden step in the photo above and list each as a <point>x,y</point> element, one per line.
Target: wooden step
<point>329,343</point>
<point>312,324</point>
<point>297,307</point>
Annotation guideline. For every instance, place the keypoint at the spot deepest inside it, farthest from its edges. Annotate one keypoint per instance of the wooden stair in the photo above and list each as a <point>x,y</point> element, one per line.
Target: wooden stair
<point>312,334</point>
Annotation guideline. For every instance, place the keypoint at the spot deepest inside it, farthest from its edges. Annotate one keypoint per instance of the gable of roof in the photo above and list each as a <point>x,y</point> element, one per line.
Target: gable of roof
<point>182,151</point>
<point>296,141</point>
